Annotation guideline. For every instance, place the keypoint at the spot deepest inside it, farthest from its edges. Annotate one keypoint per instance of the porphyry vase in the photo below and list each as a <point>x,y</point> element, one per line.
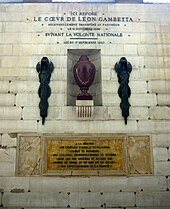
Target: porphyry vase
<point>84,73</point>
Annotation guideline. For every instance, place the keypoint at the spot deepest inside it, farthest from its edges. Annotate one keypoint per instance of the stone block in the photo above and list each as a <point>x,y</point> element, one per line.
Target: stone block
<point>18,126</point>
<point>118,199</point>
<point>151,62</point>
<point>155,38</point>
<point>26,126</point>
<point>114,113</point>
<point>118,49</point>
<point>88,126</point>
<point>59,127</point>
<point>7,155</point>
<point>153,50</point>
<point>161,140</point>
<point>14,61</point>
<point>151,126</point>
<point>108,74</point>
<point>33,200</point>
<point>27,99</point>
<point>160,113</point>
<point>128,184</point>
<point>8,140</point>
<point>69,113</point>
<point>112,126</point>
<point>101,113</point>
<point>59,87</point>
<point>162,168</point>
<point>131,38</point>
<point>109,184</point>
<point>163,49</point>
<point>130,49</point>
<point>135,74</point>
<point>146,183</point>
<point>10,113</point>
<point>154,207</point>
<point>110,87</point>
<point>9,74</point>
<point>162,28</point>
<point>8,125</point>
<point>161,86</point>
<point>110,99</point>
<point>138,86</point>
<point>32,113</point>
<point>156,62</point>
<point>24,86</point>
<point>7,169</point>
<point>1,27</point>
<point>140,27</point>
<point>12,17</point>
<point>160,154</point>
<point>153,199</point>
<point>4,86</point>
<point>163,100</point>
<point>136,61</point>
<point>50,127</point>
<point>39,49</point>
<point>58,100</point>
<point>57,184</point>
<point>59,74</point>
<point>138,113</point>
<point>11,183</point>
<point>84,199</point>
<point>156,74</point>
<point>7,100</point>
<point>143,100</point>
<point>6,49</point>
<point>11,1</point>
<point>147,50</point>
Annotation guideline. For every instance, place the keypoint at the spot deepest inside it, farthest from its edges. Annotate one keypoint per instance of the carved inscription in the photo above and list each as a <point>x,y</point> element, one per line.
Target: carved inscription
<point>85,154</point>
<point>73,27</point>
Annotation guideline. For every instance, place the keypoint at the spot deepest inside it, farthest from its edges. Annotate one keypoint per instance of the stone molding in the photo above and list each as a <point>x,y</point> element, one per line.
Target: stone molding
<point>33,154</point>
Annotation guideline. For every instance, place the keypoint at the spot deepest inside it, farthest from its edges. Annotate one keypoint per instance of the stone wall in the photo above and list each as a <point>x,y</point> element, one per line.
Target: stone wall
<point>145,43</point>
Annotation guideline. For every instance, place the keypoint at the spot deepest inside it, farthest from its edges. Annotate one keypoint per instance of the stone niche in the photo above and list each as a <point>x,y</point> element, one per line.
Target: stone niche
<point>73,90</point>
<point>84,155</point>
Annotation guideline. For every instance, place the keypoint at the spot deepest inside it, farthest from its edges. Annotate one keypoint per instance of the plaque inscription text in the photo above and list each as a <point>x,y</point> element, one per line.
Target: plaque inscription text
<point>85,155</point>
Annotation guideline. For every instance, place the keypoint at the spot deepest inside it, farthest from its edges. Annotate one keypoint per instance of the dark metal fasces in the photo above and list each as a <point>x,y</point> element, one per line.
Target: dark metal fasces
<point>44,69</point>
<point>123,69</point>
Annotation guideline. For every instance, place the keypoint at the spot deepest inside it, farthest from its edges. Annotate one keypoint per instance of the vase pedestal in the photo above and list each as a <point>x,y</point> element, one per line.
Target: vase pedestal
<point>84,108</point>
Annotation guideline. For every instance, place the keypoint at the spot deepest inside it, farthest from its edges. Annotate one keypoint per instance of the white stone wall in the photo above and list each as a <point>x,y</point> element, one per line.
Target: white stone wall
<point>146,45</point>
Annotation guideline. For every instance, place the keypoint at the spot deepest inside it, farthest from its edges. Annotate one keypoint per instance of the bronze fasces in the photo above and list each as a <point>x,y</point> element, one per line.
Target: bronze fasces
<point>44,69</point>
<point>84,73</point>
<point>123,69</point>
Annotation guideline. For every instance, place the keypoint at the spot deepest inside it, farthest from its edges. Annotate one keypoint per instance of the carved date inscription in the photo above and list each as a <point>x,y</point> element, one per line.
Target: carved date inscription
<point>93,154</point>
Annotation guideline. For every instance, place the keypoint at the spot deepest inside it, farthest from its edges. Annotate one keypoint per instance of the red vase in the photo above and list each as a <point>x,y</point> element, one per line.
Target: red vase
<point>84,73</point>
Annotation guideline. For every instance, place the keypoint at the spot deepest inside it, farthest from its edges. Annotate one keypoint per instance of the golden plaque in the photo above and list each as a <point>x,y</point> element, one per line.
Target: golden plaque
<point>94,155</point>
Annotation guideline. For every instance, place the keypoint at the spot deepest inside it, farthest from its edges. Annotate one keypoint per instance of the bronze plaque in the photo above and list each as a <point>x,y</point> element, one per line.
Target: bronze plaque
<point>82,154</point>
